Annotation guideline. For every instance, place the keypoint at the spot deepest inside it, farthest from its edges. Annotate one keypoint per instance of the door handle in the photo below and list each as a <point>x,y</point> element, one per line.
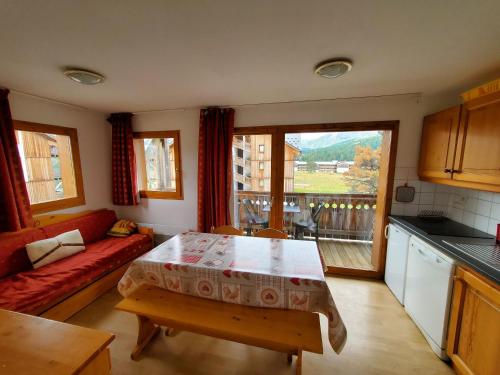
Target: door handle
<point>386,231</point>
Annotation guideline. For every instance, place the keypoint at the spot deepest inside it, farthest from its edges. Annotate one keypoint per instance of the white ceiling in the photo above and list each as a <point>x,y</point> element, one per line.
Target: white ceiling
<point>173,54</point>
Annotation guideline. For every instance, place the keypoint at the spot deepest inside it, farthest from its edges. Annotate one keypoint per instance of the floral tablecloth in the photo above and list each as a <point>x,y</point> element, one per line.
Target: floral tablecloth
<point>262,272</point>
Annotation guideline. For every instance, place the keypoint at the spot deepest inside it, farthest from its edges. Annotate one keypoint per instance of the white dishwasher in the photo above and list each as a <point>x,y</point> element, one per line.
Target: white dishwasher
<point>429,283</point>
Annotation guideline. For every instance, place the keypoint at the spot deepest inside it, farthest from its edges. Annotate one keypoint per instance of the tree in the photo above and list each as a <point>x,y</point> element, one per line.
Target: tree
<point>311,166</point>
<point>363,176</point>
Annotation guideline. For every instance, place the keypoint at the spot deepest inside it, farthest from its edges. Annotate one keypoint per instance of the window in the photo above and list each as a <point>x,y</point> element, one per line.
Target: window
<point>261,149</point>
<point>261,165</point>
<point>239,152</point>
<point>51,165</point>
<point>239,170</point>
<point>158,164</point>
<point>240,186</point>
<point>261,183</point>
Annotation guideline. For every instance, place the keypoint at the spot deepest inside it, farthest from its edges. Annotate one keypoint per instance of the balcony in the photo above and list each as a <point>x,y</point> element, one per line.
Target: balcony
<point>245,163</point>
<point>242,142</point>
<point>344,223</point>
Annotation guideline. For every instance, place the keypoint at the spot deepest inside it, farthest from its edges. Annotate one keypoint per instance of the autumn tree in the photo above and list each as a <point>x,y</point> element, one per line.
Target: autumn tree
<point>363,175</point>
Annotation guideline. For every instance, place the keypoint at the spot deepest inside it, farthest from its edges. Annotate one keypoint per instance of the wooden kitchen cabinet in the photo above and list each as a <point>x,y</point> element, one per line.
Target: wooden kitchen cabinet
<point>478,148</point>
<point>460,146</point>
<point>474,328</point>
<point>439,139</point>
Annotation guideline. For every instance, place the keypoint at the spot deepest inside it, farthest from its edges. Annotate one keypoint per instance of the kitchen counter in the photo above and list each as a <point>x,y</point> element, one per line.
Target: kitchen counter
<point>483,259</point>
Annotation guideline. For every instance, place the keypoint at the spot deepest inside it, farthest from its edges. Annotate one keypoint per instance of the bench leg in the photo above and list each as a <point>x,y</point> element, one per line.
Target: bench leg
<point>147,331</point>
<point>298,365</point>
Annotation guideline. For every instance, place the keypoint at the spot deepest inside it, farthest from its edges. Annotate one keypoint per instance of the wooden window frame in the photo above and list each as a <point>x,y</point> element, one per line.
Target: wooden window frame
<point>178,193</point>
<point>72,133</point>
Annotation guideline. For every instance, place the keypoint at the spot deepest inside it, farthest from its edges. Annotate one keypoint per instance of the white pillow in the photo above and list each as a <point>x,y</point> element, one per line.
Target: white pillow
<point>47,251</point>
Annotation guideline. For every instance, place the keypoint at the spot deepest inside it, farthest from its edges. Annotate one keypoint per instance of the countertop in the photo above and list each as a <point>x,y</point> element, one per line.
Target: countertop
<point>483,262</point>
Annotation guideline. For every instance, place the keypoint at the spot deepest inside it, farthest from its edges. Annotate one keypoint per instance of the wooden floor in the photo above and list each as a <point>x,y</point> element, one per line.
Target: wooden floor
<point>381,339</point>
<point>354,255</point>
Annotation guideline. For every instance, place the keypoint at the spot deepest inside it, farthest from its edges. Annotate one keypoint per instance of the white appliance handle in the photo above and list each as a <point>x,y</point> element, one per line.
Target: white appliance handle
<point>431,258</point>
<point>386,231</point>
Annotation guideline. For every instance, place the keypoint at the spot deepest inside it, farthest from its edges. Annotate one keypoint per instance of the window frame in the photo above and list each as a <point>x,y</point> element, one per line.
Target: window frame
<point>72,133</point>
<point>178,193</point>
<point>262,148</point>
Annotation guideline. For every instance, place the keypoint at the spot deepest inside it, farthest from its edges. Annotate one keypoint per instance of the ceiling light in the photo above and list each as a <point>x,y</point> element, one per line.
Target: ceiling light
<point>85,77</point>
<point>333,68</point>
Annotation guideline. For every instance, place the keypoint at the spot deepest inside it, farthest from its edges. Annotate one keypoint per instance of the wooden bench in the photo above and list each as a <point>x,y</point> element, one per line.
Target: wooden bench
<point>286,331</point>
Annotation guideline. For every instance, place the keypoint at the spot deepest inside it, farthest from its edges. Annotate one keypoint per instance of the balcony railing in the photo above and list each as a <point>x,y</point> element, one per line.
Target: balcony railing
<point>343,216</point>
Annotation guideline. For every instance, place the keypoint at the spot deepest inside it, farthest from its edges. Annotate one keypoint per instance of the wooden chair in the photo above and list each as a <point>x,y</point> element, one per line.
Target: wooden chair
<point>227,229</point>
<point>271,233</point>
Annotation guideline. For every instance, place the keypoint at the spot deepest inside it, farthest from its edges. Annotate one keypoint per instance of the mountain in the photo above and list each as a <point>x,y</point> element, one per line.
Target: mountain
<point>344,150</point>
<point>328,139</point>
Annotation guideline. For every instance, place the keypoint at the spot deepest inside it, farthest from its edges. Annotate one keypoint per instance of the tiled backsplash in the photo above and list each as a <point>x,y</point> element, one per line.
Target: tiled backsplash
<point>478,209</point>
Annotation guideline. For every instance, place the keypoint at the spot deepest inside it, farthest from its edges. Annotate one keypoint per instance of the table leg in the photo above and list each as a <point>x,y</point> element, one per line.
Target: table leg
<point>289,358</point>
<point>169,331</point>
<point>298,365</point>
<point>147,331</point>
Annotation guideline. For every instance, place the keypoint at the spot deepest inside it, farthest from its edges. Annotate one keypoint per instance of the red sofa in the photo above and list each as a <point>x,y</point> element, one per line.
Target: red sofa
<point>34,291</point>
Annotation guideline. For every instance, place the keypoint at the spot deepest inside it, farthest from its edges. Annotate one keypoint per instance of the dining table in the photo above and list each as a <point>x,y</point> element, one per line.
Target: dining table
<point>251,271</point>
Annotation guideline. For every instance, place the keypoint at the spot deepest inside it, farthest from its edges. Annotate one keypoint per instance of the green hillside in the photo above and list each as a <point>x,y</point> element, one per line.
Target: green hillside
<point>340,151</point>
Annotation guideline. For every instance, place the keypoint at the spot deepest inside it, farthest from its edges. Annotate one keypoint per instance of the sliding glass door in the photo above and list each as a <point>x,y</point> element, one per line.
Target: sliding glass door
<point>330,183</point>
<point>326,183</point>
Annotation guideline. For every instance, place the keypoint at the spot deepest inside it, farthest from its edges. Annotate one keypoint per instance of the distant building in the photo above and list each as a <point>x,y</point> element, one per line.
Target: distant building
<point>333,166</point>
<point>344,166</point>
<point>252,163</point>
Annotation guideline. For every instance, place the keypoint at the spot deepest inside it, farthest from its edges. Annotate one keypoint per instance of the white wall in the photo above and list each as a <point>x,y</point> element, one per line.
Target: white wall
<point>94,138</point>
<point>173,216</point>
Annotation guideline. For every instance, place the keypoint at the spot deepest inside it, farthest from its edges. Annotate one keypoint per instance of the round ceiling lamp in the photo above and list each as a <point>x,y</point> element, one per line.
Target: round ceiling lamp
<point>83,76</point>
<point>333,68</point>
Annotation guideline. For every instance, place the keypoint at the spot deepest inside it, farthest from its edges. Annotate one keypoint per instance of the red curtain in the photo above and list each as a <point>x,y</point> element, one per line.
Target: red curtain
<point>15,206</point>
<point>214,167</point>
<point>123,160</point>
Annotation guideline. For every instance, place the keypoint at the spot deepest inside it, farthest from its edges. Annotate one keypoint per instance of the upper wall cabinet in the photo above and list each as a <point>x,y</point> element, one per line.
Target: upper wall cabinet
<point>439,140</point>
<point>461,145</point>
<point>478,147</point>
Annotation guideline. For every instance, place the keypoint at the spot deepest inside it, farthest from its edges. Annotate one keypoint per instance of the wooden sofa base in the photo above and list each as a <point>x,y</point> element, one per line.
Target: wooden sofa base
<point>287,331</point>
<point>74,303</point>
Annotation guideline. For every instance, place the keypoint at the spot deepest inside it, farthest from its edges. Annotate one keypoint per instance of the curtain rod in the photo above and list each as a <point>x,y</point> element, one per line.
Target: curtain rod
<point>52,100</point>
<point>417,94</point>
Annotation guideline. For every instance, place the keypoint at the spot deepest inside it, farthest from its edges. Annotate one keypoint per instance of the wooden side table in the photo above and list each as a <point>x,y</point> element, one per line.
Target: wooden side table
<point>34,345</point>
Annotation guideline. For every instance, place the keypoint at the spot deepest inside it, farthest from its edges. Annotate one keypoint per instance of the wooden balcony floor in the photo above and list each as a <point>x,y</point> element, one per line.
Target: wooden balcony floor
<point>345,254</point>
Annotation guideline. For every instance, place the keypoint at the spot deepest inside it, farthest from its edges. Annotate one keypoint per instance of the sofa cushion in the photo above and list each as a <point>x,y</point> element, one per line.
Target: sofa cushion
<point>13,256</point>
<point>35,291</point>
<point>47,251</point>
<point>93,226</point>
